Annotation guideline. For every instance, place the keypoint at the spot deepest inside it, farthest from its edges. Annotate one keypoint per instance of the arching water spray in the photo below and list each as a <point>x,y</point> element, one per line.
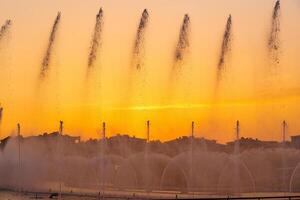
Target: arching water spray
<point>96,39</point>
<point>274,40</point>
<point>181,50</point>
<point>4,28</point>
<point>225,49</point>
<point>183,42</point>
<point>138,54</point>
<point>47,56</point>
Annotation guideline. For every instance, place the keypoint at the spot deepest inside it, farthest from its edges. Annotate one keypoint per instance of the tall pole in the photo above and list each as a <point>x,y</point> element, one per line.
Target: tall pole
<point>193,126</point>
<point>103,150</point>
<point>237,188</point>
<point>1,114</point>
<point>147,158</point>
<point>103,130</point>
<point>148,131</point>
<point>19,142</point>
<point>192,136</point>
<point>61,129</point>
<point>237,130</point>
<point>192,139</point>
<point>19,152</point>
<point>192,157</point>
<point>237,141</point>
<point>283,158</point>
<point>284,127</point>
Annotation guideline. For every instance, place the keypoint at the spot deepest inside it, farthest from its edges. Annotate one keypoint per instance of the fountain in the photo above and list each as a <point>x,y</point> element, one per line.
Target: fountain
<point>187,166</point>
<point>225,50</point>
<point>47,57</point>
<point>138,53</point>
<point>4,28</point>
<point>274,40</point>
<point>191,171</point>
<point>236,178</point>
<point>182,44</point>
<point>96,39</point>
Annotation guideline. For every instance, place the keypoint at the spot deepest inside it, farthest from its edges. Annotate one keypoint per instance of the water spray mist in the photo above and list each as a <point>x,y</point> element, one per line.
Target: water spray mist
<point>138,55</point>
<point>5,28</point>
<point>96,39</point>
<point>274,40</point>
<point>225,49</point>
<point>47,56</point>
<point>183,41</point>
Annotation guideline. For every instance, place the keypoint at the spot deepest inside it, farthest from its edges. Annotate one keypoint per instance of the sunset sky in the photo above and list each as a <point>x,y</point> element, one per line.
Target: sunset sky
<point>253,91</point>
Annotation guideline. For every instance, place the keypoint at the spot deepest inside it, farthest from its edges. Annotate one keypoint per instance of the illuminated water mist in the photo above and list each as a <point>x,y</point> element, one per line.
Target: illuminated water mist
<point>4,28</point>
<point>183,42</point>
<point>225,49</point>
<point>274,40</point>
<point>47,56</point>
<point>96,39</point>
<point>176,166</point>
<point>119,164</point>
<point>138,54</point>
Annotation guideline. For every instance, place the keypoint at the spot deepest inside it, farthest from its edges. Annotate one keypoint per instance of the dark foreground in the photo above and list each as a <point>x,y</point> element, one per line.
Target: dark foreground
<point>12,195</point>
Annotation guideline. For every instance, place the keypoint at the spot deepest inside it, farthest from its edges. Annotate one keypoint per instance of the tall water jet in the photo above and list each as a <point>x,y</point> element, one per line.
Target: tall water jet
<point>96,39</point>
<point>5,28</point>
<point>138,53</point>
<point>274,39</point>
<point>181,50</point>
<point>47,57</point>
<point>183,42</point>
<point>225,50</point>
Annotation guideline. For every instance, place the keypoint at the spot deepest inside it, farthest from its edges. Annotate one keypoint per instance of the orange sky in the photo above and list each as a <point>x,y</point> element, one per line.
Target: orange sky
<point>249,92</point>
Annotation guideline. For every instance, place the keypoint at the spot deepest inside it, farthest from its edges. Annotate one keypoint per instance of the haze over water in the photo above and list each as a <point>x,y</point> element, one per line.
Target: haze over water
<point>251,91</point>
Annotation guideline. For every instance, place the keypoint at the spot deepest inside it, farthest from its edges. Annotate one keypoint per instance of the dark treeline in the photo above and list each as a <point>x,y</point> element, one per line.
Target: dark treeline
<point>125,145</point>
